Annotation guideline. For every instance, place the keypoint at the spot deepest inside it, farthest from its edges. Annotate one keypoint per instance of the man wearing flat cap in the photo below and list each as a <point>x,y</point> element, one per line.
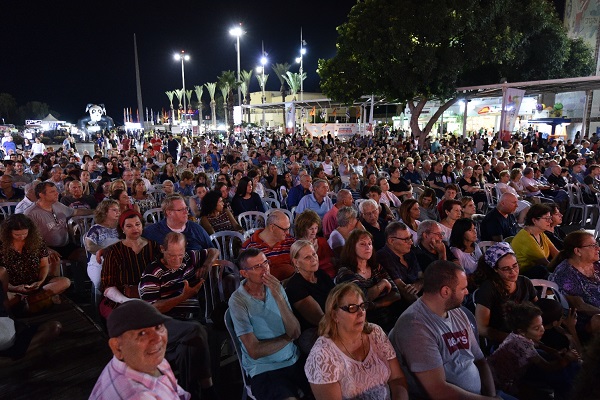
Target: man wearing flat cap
<point>138,369</point>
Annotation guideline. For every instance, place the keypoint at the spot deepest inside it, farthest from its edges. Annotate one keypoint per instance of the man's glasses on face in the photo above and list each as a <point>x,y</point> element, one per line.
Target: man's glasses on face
<point>405,240</point>
<point>263,265</point>
<point>283,229</point>
<point>438,234</point>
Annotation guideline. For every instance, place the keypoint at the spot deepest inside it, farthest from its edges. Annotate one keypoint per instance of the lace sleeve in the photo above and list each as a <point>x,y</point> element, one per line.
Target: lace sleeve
<point>323,364</point>
<point>382,344</point>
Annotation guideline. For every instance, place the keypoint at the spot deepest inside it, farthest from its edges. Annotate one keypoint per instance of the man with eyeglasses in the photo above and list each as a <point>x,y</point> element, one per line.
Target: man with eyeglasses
<point>369,217</point>
<point>266,326</point>
<point>400,261</point>
<point>299,191</point>
<point>176,220</point>
<point>7,191</point>
<point>430,244</point>
<point>439,351</point>
<point>275,242</point>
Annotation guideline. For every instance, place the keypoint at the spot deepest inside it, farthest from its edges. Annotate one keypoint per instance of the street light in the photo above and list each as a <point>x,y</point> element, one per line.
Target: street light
<point>261,70</point>
<point>237,32</point>
<point>299,60</point>
<point>183,57</point>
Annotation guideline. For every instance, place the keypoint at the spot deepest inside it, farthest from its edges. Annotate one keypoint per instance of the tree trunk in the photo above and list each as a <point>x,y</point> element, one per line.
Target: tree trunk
<point>213,109</point>
<point>416,109</point>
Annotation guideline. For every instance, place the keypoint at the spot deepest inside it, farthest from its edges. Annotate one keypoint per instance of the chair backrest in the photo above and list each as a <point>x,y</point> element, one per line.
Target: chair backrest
<point>78,227</point>
<point>557,295</point>
<point>252,219</point>
<point>225,242</point>
<point>483,245</point>
<point>247,392</point>
<point>271,194</point>
<point>271,203</point>
<point>289,213</point>
<point>214,293</point>
<point>157,187</point>
<point>572,192</point>
<point>489,194</point>
<point>7,208</point>
<point>249,232</point>
<point>153,215</point>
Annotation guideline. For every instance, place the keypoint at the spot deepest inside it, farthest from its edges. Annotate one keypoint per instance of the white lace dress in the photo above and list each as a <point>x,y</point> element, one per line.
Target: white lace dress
<point>366,380</point>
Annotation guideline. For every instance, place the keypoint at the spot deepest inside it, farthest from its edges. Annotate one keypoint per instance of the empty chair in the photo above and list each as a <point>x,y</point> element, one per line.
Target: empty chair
<point>544,285</point>
<point>226,243</point>
<point>252,219</point>
<point>7,208</point>
<point>153,215</point>
<point>78,227</point>
<point>271,203</point>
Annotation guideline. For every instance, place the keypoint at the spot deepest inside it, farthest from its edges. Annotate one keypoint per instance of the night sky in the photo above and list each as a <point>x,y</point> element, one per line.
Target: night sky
<point>71,53</point>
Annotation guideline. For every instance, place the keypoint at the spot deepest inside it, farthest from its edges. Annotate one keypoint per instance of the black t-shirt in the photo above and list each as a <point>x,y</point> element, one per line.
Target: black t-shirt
<point>494,224</point>
<point>402,186</point>
<point>299,288</point>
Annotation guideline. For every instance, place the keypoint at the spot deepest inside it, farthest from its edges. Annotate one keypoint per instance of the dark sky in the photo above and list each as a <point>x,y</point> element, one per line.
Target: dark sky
<point>70,53</point>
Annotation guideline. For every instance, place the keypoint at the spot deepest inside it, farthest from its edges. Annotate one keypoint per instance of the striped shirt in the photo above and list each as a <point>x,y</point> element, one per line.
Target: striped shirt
<point>122,266</point>
<point>278,255</point>
<point>160,282</point>
<point>118,381</point>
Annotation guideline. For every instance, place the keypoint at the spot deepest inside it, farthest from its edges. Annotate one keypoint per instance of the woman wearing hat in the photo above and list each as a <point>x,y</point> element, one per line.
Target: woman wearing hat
<point>125,261</point>
<point>498,275</point>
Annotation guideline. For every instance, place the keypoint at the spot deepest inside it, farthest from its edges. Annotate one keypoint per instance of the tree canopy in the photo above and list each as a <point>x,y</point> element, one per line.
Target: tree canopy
<point>416,50</point>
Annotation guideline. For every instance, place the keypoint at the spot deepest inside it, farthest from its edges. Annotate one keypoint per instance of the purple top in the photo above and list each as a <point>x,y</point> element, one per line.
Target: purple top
<point>574,283</point>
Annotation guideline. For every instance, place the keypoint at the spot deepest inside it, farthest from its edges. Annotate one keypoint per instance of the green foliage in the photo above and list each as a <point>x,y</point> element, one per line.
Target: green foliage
<point>8,107</point>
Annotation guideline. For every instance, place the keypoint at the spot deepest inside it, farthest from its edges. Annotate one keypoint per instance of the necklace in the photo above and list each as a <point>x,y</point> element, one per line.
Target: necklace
<point>362,348</point>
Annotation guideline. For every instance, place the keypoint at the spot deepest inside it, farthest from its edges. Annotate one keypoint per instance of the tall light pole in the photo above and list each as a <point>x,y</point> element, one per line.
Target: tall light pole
<point>261,70</point>
<point>300,60</point>
<point>183,57</point>
<point>237,32</point>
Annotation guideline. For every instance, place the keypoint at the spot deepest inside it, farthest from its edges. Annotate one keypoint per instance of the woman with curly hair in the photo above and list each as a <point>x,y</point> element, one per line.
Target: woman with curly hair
<point>25,256</point>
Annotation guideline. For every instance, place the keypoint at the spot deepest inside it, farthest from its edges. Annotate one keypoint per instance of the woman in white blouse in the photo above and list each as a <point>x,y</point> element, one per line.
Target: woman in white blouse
<point>352,359</point>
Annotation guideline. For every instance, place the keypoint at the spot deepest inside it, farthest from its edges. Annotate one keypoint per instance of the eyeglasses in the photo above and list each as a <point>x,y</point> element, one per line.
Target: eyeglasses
<point>508,268</point>
<point>180,209</point>
<point>591,245</point>
<point>406,239</point>
<point>283,229</point>
<point>546,218</point>
<point>353,308</point>
<point>263,265</point>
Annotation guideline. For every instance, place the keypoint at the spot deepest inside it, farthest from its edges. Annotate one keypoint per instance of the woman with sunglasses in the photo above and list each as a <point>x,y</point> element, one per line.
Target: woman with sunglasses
<point>533,248</point>
<point>360,266</point>
<point>577,274</point>
<point>497,275</point>
<point>352,359</point>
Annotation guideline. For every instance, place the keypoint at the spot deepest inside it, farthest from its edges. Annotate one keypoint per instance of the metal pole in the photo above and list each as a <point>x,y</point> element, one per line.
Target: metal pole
<point>239,90</point>
<point>301,67</point>
<point>183,82</point>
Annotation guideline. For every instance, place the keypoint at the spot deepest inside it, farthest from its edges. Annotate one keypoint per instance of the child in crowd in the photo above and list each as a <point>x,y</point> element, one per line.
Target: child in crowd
<point>559,330</point>
<point>518,368</point>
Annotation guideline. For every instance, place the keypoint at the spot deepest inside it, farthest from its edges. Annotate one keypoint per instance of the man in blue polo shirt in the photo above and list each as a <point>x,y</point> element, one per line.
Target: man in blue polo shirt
<point>317,200</point>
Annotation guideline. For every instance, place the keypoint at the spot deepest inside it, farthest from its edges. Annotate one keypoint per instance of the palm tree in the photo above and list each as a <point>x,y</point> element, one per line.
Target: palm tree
<point>199,90</point>
<point>293,80</point>
<point>179,94</point>
<point>188,95</point>
<point>170,94</point>
<point>281,70</point>
<point>246,77</point>
<point>212,87</point>
<point>227,81</point>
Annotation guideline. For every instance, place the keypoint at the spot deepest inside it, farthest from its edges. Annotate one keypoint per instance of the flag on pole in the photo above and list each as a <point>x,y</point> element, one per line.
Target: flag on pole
<point>312,112</point>
<point>347,113</point>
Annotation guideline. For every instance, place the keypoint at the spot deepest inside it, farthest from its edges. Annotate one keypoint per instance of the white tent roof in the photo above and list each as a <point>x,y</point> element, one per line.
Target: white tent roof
<point>50,118</point>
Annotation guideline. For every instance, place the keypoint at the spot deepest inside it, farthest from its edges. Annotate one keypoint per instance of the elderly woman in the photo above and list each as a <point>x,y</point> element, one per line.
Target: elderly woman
<point>214,217</point>
<point>531,245</point>
<point>347,220</point>
<point>410,212</point>
<point>307,291</point>
<point>25,256</point>
<point>577,274</point>
<point>306,226</point>
<point>498,275</point>
<point>463,244</point>
<point>125,261</point>
<point>101,235</point>
<point>352,359</point>
<point>427,205</point>
<point>359,265</point>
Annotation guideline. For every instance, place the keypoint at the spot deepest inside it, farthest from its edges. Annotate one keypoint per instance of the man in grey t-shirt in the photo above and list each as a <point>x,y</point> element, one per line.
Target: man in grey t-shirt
<point>439,351</point>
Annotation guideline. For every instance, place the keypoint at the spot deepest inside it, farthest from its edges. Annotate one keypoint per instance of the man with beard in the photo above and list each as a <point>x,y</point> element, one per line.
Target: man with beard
<point>440,353</point>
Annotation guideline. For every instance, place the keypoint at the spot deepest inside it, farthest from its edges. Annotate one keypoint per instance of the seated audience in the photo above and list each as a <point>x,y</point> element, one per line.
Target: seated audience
<point>500,223</point>
<point>451,212</point>
<point>347,221</point>
<point>463,244</point>
<point>430,244</point>
<point>318,201</point>
<point>371,221</point>
<point>245,199</point>
<point>427,205</point>
<point>410,212</point>
<point>343,199</point>
<point>214,217</point>
<point>306,226</point>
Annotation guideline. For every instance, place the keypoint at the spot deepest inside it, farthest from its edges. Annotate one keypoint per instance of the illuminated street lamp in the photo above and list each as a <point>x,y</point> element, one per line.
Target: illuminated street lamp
<point>183,57</point>
<point>261,70</point>
<point>299,60</point>
<point>237,32</point>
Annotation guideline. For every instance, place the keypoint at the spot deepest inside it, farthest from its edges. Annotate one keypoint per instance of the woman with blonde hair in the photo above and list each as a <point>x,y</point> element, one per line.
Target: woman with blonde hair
<point>352,359</point>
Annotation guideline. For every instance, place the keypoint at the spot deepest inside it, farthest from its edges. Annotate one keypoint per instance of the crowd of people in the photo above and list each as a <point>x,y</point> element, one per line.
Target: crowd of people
<point>376,268</point>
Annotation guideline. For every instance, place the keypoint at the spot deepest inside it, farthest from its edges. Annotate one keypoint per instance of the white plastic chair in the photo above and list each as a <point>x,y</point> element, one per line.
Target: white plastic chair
<point>483,245</point>
<point>78,227</point>
<point>557,295</point>
<point>252,219</point>
<point>153,215</point>
<point>271,203</point>
<point>247,391</point>
<point>7,208</point>
<point>224,242</point>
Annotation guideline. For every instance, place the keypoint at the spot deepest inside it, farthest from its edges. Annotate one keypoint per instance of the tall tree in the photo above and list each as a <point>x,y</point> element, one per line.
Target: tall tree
<point>212,87</point>
<point>199,90</point>
<point>281,71</point>
<point>246,77</point>
<point>227,81</point>
<point>417,50</point>
<point>8,107</point>
<point>294,82</point>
